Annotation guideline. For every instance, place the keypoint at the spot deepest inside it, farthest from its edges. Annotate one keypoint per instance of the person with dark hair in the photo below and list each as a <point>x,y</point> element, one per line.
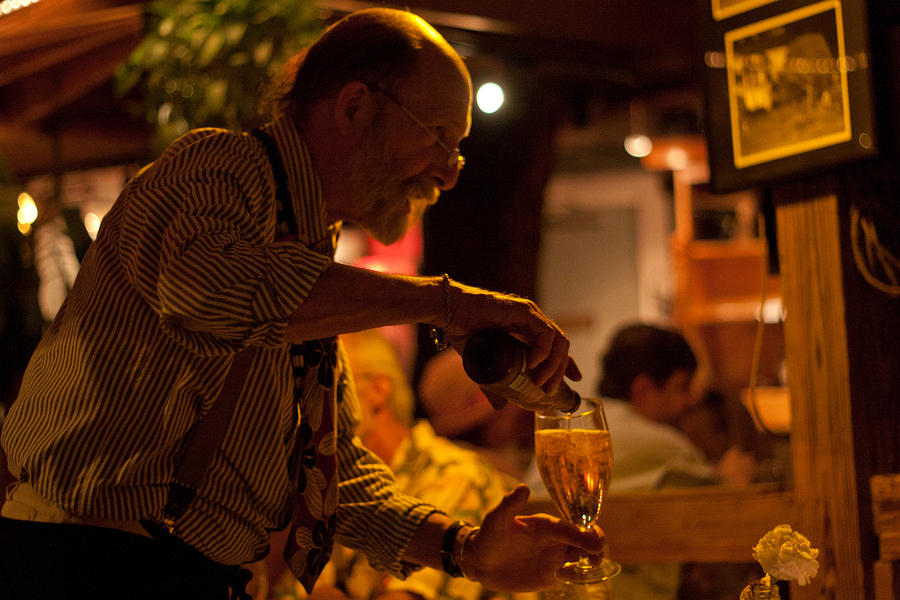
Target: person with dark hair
<point>191,397</point>
<point>642,359</point>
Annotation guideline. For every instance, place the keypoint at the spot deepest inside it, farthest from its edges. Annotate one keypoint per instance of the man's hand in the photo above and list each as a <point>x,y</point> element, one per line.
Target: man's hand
<point>513,553</point>
<point>472,309</point>
<point>737,467</point>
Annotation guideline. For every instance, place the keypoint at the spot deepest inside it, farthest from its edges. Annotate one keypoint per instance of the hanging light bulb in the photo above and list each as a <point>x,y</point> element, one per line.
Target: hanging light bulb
<point>638,145</point>
<point>489,97</point>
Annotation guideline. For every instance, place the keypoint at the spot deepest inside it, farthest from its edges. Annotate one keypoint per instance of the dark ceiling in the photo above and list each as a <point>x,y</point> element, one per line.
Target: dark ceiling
<point>56,62</point>
<point>614,48</point>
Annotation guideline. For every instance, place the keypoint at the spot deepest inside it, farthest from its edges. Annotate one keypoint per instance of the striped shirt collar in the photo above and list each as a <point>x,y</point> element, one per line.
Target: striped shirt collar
<point>303,181</point>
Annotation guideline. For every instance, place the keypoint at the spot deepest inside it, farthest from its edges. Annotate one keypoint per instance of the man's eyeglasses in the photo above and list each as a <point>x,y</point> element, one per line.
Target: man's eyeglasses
<point>454,158</point>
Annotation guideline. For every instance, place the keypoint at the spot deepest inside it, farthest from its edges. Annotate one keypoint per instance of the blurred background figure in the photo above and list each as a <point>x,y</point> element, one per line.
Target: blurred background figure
<point>60,241</point>
<point>459,410</point>
<point>455,479</point>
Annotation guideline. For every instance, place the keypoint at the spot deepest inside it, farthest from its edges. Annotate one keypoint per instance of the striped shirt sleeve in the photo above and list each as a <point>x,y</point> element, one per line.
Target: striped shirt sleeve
<point>195,244</point>
<point>373,516</point>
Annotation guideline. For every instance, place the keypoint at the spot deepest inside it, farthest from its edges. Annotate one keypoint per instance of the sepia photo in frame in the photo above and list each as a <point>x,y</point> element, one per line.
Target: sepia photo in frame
<point>788,91</point>
<point>787,84</point>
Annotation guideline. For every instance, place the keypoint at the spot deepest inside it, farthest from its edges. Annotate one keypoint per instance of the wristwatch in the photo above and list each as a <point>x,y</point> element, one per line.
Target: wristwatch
<point>448,560</point>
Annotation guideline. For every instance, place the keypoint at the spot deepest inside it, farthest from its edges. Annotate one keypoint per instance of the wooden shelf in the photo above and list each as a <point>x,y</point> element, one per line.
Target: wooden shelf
<point>723,287</point>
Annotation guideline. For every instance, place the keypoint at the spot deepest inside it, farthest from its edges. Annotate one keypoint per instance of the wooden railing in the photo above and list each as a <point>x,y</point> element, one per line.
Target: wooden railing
<point>702,525</point>
<point>886,519</point>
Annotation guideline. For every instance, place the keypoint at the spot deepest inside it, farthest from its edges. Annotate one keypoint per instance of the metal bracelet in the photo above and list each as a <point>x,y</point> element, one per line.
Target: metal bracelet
<point>437,334</point>
<point>462,548</point>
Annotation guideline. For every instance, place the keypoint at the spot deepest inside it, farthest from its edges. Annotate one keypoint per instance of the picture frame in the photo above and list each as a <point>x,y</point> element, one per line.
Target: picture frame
<point>722,9</point>
<point>789,90</point>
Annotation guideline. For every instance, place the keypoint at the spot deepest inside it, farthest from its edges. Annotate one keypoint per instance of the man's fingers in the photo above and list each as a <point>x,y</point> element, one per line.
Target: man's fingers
<point>513,502</point>
<point>547,527</point>
<point>549,373</point>
<point>572,370</point>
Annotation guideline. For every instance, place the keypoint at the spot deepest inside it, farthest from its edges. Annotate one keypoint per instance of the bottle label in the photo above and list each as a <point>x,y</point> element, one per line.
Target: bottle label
<point>524,385</point>
<point>518,387</point>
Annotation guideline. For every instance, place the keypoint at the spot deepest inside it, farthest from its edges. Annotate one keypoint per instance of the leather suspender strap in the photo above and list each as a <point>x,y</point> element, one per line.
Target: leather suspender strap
<point>204,440</point>
<point>282,193</point>
<point>207,434</point>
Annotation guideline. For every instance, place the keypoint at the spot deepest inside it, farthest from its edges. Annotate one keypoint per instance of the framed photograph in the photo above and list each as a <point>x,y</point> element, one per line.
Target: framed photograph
<point>722,9</point>
<point>789,92</point>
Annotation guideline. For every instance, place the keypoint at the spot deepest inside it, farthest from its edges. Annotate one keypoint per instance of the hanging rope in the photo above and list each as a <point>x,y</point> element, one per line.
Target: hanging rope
<point>760,326</point>
<point>872,257</point>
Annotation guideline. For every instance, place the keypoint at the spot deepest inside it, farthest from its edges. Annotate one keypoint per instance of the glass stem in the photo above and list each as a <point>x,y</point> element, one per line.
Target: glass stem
<point>585,560</point>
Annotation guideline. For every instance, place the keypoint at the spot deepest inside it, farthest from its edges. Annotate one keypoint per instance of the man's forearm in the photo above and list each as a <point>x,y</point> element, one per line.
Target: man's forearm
<point>425,546</point>
<point>346,298</point>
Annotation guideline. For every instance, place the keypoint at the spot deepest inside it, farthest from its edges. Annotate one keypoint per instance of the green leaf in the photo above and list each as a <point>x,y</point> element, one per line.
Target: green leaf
<point>223,50</point>
<point>166,27</point>
<point>215,95</point>
<point>263,52</point>
<point>211,48</point>
<point>156,53</point>
<point>234,33</point>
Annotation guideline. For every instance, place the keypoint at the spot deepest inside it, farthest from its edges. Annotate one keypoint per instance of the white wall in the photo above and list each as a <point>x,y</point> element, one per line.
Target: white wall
<point>604,257</point>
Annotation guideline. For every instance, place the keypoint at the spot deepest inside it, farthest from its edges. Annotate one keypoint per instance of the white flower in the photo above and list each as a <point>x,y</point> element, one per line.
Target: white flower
<point>787,554</point>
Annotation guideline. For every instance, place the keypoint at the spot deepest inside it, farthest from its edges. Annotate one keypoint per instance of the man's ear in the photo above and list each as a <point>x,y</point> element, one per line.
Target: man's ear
<point>640,386</point>
<point>381,389</point>
<point>354,108</point>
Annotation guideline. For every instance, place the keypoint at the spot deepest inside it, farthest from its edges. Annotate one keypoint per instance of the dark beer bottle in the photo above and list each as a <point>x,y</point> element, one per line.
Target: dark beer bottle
<point>495,360</point>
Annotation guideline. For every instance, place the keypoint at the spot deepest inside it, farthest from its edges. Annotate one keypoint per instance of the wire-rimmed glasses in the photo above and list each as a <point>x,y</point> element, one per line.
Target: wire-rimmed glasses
<point>454,158</point>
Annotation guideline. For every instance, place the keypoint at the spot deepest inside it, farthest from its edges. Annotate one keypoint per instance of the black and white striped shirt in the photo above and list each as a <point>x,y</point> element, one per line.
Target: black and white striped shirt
<point>182,275</point>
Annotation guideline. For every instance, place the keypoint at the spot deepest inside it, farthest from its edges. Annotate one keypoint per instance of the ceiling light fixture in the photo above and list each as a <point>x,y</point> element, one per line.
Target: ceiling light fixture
<point>489,97</point>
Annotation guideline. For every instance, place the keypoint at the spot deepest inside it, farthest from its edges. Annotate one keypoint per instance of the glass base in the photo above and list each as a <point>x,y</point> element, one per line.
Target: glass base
<point>583,572</point>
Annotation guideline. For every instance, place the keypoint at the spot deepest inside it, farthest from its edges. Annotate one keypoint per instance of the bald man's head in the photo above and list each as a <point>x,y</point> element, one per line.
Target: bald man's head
<point>377,46</point>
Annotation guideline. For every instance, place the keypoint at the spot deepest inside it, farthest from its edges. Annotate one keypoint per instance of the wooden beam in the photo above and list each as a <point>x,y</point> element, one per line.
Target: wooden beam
<point>817,361</point>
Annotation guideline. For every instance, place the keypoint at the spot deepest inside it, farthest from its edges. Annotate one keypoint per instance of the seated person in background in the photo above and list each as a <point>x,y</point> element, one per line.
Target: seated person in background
<point>458,409</point>
<point>646,387</point>
<point>456,480</point>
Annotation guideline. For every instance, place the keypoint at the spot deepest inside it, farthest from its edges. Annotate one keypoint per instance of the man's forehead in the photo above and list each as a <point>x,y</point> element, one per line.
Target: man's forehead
<point>438,90</point>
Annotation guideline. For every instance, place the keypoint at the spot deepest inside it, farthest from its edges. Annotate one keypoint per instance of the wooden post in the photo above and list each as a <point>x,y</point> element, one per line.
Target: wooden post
<point>818,375</point>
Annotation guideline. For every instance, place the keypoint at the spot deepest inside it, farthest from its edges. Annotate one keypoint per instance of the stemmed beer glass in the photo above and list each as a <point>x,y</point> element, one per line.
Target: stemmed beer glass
<point>574,456</point>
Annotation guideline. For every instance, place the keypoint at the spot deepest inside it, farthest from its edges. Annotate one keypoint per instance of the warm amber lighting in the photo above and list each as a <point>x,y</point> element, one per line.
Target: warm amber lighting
<point>27,213</point>
<point>772,311</point>
<point>10,6</point>
<point>770,408</point>
<point>676,158</point>
<point>92,224</point>
<point>715,60</point>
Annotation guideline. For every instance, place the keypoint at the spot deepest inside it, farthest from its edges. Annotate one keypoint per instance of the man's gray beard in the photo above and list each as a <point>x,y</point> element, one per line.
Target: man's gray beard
<point>391,213</point>
<point>389,226</point>
<point>382,199</point>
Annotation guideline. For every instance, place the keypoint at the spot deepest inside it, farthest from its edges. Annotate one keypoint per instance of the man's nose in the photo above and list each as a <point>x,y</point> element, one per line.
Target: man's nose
<point>446,176</point>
